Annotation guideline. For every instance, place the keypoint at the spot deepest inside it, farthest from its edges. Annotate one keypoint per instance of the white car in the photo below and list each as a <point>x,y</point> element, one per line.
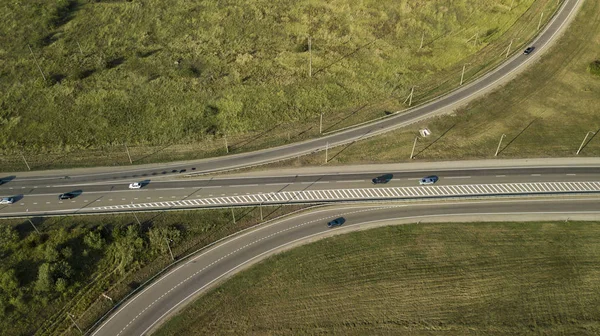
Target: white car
<point>7,200</point>
<point>135,185</point>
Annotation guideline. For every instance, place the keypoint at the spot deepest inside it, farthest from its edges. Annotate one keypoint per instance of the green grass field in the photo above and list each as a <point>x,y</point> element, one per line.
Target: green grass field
<point>73,260</point>
<point>453,279</point>
<point>170,79</point>
<point>546,112</point>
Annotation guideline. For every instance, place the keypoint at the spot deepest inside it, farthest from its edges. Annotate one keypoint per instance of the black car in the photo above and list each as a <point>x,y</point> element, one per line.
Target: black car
<point>336,222</point>
<point>66,196</point>
<point>382,179</point>
<point>528,50</point>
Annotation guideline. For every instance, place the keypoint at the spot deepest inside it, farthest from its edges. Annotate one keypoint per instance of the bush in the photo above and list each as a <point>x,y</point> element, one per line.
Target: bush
<point>594,68</point>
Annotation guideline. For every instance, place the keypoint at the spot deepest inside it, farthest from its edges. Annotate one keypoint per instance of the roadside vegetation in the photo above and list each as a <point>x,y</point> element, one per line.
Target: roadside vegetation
<point>67,266</point>
<point>458,279</point>
<point>547,111</point>
<point>80,79</point>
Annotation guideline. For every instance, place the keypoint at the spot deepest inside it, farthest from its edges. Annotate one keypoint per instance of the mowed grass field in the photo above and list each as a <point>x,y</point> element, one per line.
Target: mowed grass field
<point>171,79</point>
<point>454,279</point>
<point>545,112</point>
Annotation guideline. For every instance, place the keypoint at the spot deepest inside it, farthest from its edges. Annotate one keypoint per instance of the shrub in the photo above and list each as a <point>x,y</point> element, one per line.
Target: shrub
<point>594,68</point>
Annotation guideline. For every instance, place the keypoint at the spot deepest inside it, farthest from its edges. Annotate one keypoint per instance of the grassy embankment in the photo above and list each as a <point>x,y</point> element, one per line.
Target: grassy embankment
<point>546,112</point>
<point>457,279</point>
<point>169,79</point>
<point>73,260</point>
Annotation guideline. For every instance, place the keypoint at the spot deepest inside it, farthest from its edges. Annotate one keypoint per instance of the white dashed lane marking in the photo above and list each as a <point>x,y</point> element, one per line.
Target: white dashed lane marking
<point>377,193</point>
<point>236,251</point>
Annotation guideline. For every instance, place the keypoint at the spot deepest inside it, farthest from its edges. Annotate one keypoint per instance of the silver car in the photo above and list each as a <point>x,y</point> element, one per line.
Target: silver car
<point>7,200</point>
<point>428,180</point>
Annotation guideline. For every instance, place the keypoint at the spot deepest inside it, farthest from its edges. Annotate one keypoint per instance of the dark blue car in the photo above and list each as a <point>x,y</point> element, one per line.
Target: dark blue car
<point>336,222</point>
<point>382,179</point>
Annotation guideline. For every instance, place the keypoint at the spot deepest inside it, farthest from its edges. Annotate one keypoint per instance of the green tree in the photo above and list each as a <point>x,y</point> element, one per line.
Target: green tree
<point>8,235</point>
<point>66,252</point>
<point>50,252</point>
<point>157,238</point>
<point>45,279</point>
<point>61,285</point>
<point>9,282</point>
<point>94,240</point>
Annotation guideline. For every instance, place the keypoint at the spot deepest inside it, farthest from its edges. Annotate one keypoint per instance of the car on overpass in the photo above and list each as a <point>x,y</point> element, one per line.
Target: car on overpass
<point>428,180</point>
<point>336,222</point>
<point>135,185</point>
<point>7,200</point>
<point>67,195</point>
<point>382,179</point>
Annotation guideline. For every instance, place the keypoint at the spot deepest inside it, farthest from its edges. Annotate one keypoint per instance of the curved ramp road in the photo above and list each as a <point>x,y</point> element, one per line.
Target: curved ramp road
<point>461,96</point>
<point>166,295</point>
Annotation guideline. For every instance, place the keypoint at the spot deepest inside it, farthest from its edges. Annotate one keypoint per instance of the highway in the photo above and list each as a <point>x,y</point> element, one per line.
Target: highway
<point>483,85</point>
<point>42,199</point>
<point>195,275</point>
<point>37,195</point>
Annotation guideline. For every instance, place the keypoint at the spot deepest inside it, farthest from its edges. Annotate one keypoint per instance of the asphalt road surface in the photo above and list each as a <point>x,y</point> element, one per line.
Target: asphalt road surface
<point>164,296</point>
<point>42,198</point>
<point>463,95</point>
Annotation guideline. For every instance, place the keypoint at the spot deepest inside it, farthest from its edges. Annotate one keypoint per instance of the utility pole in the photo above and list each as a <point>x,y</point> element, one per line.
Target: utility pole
<point>321,124</point>
<point>422,38</point>
<point>80,50</point>
<point>226,146</point>
<point>540,23</point>
<point>309,57</point>
<point>74,323</point>
<point>410,96</point>
<point>326,154</point>
<point>261,214</point>
<point>583,142</point>
<point>462,76</point>
<point>511,5</point>
<point>500,143</point>
<point>508,50</point>
<point>233,215</point>
<point>107,297</point>
<point>169,247</point>
<point>27,164</point>
<point>413,148</point>
<point>137,219</point>
<point>128,155</point>
<point>36,63</point>
<point>30,222</point>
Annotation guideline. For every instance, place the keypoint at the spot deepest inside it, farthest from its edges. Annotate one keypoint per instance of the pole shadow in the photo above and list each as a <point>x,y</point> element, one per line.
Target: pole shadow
<point>518,135</point>
<point>153,153</point>
<point>434,141</point>
<point>248,141</point>
<point>345,118</point>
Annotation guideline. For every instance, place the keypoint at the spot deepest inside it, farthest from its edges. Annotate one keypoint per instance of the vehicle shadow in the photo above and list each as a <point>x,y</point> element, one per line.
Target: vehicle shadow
<point>18,197</point>
<point>7,179</point>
